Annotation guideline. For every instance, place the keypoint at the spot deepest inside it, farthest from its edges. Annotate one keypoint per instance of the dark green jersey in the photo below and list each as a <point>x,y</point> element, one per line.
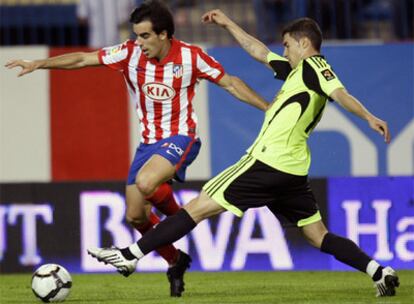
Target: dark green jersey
<point>294,113</point>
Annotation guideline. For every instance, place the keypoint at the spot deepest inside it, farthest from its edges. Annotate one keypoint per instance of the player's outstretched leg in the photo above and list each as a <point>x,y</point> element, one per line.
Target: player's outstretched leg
<point>346,251</point>
<point>386,285</point>
<point>114,257</point>
<point>175,274</point>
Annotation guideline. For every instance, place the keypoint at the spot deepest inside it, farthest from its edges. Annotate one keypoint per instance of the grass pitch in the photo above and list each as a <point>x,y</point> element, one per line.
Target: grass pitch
<point>217,288</point>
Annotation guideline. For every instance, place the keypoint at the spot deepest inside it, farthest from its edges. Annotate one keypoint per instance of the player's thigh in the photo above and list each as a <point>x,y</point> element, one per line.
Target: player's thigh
<point>246,184</point>
<point>294,202</point>
<point>203,207</point>
<point>155,171</point>
<point>137,206</point>
<point>180,151</point>
<point>314,233</point>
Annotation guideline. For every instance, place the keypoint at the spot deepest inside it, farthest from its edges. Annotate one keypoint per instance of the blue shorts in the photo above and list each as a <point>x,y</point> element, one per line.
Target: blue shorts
<point>180,150</point>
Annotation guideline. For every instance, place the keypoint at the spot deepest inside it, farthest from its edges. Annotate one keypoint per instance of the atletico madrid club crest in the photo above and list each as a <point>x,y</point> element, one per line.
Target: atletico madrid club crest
<point>178,70</point>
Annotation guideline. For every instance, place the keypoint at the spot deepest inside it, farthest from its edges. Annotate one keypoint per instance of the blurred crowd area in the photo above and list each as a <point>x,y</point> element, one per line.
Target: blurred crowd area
<point>98,23</point>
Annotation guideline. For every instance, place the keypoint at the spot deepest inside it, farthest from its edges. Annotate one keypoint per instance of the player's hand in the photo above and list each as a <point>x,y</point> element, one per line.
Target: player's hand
<point>216,16</point>
<point>381,127</point>
<point>26,65</point>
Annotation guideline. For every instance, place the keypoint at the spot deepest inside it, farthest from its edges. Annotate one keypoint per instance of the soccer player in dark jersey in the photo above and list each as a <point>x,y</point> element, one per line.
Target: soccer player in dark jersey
<point>161,74</point>
<point>274,171</point>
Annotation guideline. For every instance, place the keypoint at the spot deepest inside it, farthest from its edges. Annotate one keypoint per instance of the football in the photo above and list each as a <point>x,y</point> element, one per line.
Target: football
<point>51,283</point>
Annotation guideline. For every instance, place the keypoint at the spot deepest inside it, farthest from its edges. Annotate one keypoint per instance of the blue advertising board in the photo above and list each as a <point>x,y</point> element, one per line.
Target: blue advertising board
<point>377,214</point>
<point>55,223</point>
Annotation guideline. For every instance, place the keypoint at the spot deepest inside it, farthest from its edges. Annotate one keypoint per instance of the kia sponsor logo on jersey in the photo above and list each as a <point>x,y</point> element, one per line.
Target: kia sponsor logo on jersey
<point>158,91</point>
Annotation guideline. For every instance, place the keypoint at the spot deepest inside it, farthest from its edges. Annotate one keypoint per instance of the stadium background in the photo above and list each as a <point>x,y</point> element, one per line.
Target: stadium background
<point>66,143</point>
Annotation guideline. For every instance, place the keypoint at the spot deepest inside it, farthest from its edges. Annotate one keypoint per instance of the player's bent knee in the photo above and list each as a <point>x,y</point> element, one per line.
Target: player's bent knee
<point>145,185</point>
<point>202,208</point>
<point>136,220</point>
<point>315,233</point>
<point>316,240</point>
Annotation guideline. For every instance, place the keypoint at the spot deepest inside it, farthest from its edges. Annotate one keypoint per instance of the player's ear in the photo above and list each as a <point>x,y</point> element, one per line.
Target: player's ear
<point>163,35</point>
<point>304,42</point>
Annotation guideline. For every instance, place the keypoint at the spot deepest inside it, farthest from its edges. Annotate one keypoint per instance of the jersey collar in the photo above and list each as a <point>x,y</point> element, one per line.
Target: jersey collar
<point>319,55</point>
<point>172,53</point>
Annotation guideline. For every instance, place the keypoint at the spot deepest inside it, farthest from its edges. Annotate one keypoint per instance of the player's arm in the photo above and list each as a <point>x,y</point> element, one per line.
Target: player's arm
<point>239,89</point>
<point>254,47</point>
<point>351,104</point>
<point>67,61</point>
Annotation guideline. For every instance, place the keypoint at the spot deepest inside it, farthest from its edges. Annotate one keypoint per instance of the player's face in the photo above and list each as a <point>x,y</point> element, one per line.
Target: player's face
<point>153,45</point>
<point>293,50</point>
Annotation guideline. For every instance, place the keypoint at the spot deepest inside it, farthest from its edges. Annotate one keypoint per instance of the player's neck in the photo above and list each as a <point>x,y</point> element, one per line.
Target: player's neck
<point>164,50</point>
<point>310,53</point>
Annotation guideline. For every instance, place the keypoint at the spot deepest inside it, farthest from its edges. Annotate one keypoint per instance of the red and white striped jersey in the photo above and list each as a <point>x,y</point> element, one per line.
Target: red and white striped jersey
<point>163,91</point>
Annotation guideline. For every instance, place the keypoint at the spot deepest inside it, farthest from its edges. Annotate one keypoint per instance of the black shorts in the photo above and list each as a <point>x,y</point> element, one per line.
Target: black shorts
<point>251,184</point>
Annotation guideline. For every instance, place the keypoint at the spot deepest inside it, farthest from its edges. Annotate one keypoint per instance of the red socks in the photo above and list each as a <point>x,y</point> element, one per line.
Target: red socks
<point>168,252</point>
<point>163,200</point>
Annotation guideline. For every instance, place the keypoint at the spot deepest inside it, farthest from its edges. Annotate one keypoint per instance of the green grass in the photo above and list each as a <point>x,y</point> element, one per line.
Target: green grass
<point>217,288</point>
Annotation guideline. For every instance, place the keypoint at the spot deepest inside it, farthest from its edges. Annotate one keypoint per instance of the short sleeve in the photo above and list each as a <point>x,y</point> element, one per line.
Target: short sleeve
<point>207,67</point>
<point>319,76</point>
<point>116,56</point>
<point>280,65</point>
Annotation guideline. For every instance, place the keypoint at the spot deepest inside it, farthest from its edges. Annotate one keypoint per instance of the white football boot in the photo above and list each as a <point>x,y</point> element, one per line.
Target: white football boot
<point>114,257</point>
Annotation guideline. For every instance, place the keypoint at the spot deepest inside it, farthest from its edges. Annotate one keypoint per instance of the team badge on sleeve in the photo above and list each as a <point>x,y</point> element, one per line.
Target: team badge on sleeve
<point>114,54</point>
<point>328,74</point>
<point>111,51</point>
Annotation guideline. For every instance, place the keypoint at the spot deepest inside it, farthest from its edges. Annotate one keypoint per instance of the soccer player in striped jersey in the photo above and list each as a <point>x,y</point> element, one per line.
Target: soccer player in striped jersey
<point>274,171</point>
<point>161,74</point>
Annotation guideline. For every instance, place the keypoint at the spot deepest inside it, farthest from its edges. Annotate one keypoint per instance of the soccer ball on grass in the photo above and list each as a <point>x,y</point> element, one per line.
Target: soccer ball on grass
<point>51,283</point>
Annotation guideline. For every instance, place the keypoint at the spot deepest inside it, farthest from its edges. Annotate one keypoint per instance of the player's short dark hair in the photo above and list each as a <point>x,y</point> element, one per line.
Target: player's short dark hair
<point>156,12</point>
<point>305,27</point>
